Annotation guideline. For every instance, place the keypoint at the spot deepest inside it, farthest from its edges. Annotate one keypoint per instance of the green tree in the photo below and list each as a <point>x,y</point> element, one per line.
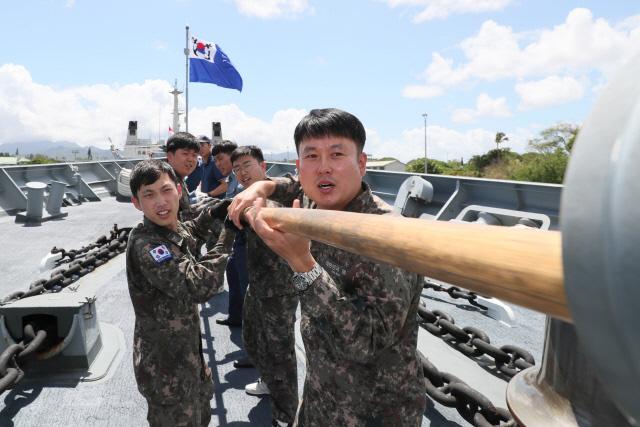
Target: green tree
<point>559,136</point>
<point>543,167</point>
<point>479,162</point>
<point>501,137</point>
<point>417,166</point>
<point>40,159</point>
<point>548,155</point>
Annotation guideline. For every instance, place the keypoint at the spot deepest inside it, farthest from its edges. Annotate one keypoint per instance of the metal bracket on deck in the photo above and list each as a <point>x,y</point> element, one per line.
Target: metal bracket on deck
<point>80,348</point>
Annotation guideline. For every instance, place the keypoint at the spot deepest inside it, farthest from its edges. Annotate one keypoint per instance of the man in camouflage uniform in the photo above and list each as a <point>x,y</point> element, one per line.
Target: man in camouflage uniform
<point>182,155</point>
<point>358,316</point>
<point>270,304</point>
<point>166,282</point>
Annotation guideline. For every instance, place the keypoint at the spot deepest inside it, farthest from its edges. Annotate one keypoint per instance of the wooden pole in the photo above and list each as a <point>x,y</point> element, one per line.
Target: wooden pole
<point>521,266</point>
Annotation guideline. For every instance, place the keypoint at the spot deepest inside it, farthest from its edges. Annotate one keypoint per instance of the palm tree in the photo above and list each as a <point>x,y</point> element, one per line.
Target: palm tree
<point>501,137</point>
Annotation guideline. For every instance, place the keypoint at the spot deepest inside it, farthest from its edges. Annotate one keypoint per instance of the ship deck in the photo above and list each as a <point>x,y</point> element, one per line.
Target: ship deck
<point>114,400</point>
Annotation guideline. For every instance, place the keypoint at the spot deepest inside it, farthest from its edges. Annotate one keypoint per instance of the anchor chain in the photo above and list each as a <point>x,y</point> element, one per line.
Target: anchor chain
<point>473,342</point>
<point>80,262</point>
<point>473,406</point>
<point>10,371</point>
<point>454,292</point>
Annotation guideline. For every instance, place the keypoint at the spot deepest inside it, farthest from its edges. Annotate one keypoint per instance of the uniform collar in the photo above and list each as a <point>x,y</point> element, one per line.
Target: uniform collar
<point>164,231</point>
<point>364,198</point>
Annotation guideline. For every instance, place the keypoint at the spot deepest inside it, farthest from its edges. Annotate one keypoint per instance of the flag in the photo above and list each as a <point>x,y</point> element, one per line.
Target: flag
<point>209,64</point>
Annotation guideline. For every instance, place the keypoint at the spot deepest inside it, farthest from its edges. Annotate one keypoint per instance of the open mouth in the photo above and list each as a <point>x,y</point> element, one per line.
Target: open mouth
<point>325,187</point>
<point>163,214</point>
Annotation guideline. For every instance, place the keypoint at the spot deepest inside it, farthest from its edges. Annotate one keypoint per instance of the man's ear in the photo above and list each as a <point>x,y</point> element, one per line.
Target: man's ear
<point>136,202</point>
<point>179,189</point>
<point>362,163</point>
<point>263,165</point>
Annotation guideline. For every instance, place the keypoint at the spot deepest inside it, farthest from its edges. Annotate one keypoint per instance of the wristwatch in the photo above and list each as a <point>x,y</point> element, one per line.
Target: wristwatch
<point>302,281</point>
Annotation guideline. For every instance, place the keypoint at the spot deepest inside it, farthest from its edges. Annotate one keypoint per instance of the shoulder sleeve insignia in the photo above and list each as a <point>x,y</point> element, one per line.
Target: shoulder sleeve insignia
<point>160,254</point>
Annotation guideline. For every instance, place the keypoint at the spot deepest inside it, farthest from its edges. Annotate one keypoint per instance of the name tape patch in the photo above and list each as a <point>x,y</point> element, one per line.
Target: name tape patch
<point>160,254</point>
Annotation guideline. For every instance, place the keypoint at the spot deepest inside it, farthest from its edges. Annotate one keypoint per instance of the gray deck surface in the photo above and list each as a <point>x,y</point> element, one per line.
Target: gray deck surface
<point>115,401</point>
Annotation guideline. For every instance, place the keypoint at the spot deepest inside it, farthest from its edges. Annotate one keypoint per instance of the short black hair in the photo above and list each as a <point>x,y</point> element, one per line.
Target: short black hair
<point>204,139</point>
<point>182,140</point>
<point>225,146</point>
<point>247,150</point>
<point>147,172</point>
<point>324,122</point>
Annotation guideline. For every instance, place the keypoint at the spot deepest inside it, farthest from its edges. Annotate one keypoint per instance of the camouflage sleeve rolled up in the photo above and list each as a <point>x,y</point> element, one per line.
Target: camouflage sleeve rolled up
<point>185,213</point>
<point>202,226</point>
<point>287,190</point>
<point>180,276</point>
<point>371,317</point>
<point>224,244</point>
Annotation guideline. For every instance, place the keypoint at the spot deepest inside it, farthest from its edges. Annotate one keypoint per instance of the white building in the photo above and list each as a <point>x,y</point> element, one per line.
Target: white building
<point>386,165</point>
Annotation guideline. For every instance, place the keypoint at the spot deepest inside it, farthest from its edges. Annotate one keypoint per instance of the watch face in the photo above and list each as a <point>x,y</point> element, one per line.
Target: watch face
<point>299,282</point>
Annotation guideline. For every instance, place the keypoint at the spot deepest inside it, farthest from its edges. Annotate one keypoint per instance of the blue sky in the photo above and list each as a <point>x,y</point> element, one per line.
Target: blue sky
<point>79,70</point>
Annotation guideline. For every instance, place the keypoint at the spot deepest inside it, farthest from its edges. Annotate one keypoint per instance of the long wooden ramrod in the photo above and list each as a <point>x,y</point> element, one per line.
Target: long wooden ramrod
<point>518,265</point>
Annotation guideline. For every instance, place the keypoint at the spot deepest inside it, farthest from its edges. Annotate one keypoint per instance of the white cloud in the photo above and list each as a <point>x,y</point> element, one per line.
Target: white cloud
<point>553,90</point>
<point>70,3</point>
<point>576,47</point>
<point>439,9</point>
<point>442,143</point>
<point>30,111</point>
<point>425,91</point>
<point>88,115</point>
<point>274,136</point>
<point>485,107</point>
<point>269,9</point>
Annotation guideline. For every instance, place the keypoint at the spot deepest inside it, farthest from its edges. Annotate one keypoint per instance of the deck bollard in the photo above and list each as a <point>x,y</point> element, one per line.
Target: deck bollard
<point>56,194</point>
<point>35,198</point>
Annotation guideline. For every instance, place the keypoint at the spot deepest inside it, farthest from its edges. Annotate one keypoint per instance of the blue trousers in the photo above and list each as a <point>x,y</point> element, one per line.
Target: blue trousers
<point>237,276</point>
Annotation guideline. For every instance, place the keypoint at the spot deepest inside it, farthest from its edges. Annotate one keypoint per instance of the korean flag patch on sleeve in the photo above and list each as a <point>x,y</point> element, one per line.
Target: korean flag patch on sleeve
<point>161,254</point>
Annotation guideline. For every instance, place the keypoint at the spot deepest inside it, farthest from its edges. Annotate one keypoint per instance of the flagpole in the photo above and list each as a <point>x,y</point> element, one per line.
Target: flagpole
<point>186,85</point>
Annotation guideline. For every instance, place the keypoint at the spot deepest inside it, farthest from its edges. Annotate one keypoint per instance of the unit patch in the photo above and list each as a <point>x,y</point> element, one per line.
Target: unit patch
<point>160,254</point>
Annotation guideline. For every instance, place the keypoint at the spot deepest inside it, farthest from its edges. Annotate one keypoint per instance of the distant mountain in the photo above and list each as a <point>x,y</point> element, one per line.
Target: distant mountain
<point>62,150</point>
<point>281,157</point>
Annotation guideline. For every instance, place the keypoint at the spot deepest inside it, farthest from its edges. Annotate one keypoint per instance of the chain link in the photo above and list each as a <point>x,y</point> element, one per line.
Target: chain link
<point>454,292</point>
<point>473,406</point>
<point>474,343</point>
<point>10,372</point>
<point>79,262</point>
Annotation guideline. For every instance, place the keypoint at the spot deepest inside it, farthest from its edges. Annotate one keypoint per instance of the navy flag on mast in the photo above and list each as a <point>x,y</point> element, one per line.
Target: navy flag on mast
<point>209,64</point>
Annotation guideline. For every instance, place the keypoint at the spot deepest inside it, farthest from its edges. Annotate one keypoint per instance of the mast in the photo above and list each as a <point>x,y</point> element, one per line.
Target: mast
<point>186,80</point>
<point>176,112</point>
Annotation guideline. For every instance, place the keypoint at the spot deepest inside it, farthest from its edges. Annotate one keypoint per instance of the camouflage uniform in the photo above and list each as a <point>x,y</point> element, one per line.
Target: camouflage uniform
<point>360,334</point>
<point>166,283</point>
<point>268,333</point>
<point>185,212</point>
<point>188,212</point>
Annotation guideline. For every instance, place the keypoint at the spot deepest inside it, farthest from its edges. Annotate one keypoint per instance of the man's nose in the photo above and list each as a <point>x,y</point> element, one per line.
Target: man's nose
<point>325,165</point>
